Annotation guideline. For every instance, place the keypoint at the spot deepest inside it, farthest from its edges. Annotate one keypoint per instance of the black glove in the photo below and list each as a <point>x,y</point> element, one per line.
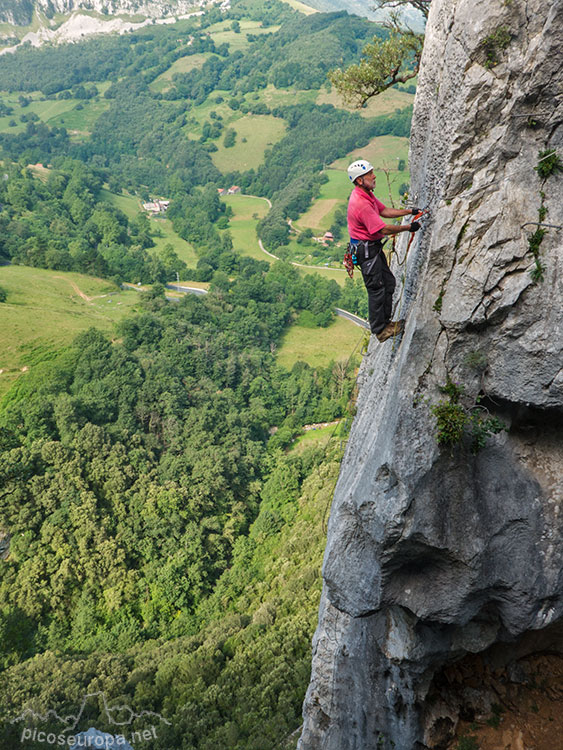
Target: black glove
<point>415,226</point>
<point>415,211</point>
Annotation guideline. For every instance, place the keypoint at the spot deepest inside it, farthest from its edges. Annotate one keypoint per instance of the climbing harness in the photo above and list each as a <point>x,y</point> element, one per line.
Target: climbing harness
<point>355,248</point>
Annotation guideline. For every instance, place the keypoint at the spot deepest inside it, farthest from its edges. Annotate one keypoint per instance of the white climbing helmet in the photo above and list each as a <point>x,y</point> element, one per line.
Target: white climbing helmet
<point>359,168</point>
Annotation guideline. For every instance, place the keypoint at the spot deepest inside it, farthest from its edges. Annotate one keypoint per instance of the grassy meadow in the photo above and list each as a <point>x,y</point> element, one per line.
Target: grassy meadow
<point>301,7</point>
<point>333,194</point>
<point>320,346</point>
<point>247,211</point>
<point>222,32</point>
<point>45,310</point>
<point>382,104</point>
<point>76,115</point>
<point>182,65</point>
<point>255,133</point>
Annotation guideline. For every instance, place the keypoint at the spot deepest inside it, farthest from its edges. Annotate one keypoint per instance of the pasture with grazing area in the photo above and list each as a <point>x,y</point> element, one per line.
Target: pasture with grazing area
<point>182,65</point>
<point>320,346</point>
<point>222,32</point>
<point>45,310</point>
<point>333,194</point>
<point>255,133</point>
<point>76,115</point>
<point>383,104</point>
<point>247,211</point>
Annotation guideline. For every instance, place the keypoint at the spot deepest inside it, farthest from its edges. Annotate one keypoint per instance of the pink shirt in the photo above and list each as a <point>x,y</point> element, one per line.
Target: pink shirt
<point>364,221</point>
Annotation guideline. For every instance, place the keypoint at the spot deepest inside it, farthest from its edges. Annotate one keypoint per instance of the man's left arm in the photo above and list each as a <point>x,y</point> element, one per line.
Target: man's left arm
<point>396,213</point>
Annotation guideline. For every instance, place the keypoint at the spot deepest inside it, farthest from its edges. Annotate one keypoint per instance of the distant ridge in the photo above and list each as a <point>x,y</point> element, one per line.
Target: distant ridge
<point>20,12</point>
<point>365,8</point>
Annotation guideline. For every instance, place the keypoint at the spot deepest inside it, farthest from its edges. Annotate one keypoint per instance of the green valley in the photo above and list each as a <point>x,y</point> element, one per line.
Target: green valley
<point>167,460</point>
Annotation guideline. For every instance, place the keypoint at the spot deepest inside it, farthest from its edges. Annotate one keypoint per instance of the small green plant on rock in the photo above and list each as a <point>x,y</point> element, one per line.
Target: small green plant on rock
<point>476,360</point>
<point>437,306</point>
<point>549,163</point>
<point>494,43</point>
<point>455,420</point>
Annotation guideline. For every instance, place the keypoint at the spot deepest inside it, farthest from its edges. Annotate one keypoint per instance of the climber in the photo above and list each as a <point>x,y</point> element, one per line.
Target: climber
<point>366,228</point>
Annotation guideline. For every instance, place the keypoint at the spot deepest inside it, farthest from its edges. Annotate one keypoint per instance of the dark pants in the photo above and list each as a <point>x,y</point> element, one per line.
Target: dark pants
<point>380,284</point>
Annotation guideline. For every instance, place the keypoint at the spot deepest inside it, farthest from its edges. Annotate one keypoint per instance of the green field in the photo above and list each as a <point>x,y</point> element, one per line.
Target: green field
<point>321,436</point>
<point>129,204</point>
<point>333,194</point>
<point>301,7</point>
<point>167,236</point>
<point>198,115</point>
<point>45,310</point>
<point>383,151</point>
<point>222,32</point>
<point>79,122</point>
<point>182,65</point>
<point>320,346</point>
<point>270,96</point>
<point>255,133</point>
<point>55,112</point>
<point>382,104</point>
<point>247,210</point>
<point>318,256</point>
<point>273,97</point>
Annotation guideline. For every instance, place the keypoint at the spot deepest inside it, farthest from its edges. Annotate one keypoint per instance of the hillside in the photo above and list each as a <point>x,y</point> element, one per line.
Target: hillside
<point>167,460</point>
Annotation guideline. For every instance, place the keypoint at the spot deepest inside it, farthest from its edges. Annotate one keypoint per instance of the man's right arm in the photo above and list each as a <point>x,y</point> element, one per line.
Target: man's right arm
<point>396,228</point>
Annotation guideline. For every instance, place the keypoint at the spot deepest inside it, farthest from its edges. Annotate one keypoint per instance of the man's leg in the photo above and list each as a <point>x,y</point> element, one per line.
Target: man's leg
<point>372,272</point>
<point>389,283</point>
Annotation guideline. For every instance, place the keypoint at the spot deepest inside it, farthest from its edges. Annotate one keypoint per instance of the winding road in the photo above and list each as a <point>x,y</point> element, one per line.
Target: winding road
<point>338,310</point>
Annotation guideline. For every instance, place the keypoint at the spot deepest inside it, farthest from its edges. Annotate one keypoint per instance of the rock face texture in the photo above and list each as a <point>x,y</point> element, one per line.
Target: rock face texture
<point>435,552</point>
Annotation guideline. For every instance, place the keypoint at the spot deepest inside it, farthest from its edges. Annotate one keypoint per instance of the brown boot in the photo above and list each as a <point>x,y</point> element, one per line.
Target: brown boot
<point>394,328</point>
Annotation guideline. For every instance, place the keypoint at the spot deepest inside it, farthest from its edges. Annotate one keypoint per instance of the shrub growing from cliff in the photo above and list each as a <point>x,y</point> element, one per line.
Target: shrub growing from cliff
<point>548,163</point>
<point>455,420</point>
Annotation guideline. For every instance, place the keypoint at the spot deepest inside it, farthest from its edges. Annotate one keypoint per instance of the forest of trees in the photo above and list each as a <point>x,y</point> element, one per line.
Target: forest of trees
<point>170,423</point>
<point>63,224</point>
<point>132,473</point>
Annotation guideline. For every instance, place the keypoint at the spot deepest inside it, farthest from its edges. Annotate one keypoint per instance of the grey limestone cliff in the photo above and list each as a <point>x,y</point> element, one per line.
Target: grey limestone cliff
<point>435,553</point>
